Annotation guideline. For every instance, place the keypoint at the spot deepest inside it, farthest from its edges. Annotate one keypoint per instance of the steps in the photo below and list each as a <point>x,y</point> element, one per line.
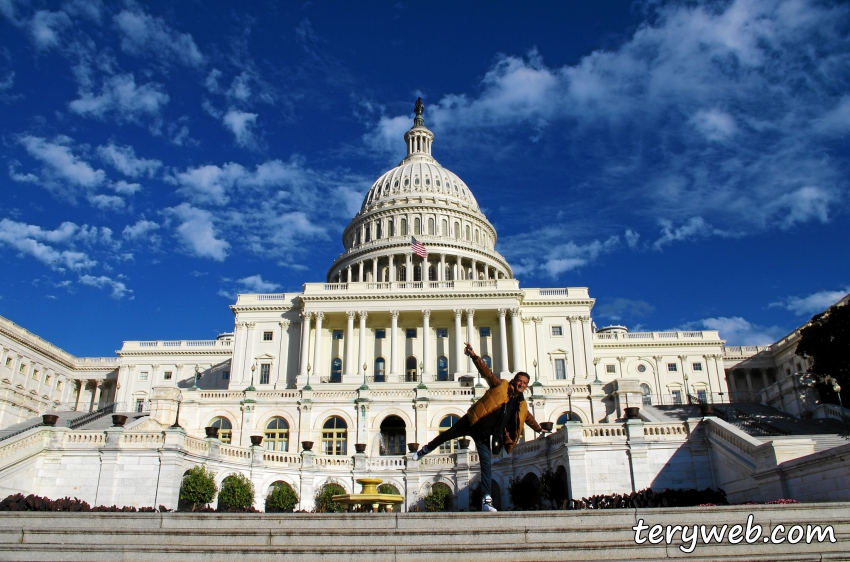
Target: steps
<point>448,537</point>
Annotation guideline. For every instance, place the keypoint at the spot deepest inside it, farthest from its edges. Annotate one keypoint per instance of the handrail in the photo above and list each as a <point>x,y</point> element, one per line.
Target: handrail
<point>91,416</point>
<point>21,431</point>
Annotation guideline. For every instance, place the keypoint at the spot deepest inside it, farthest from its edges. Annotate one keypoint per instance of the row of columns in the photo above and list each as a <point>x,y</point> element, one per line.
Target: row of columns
<point>347,273</point>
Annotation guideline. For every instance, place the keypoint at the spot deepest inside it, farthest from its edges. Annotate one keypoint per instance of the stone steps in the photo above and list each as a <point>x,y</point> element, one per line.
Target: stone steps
<point>448,537</point>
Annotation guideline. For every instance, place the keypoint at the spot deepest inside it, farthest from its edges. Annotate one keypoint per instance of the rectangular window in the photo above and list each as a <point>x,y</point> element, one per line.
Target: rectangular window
<point>46,379</point>
<point>410,333</point>
<point>442,332</point>
<point>557,331</point>
<point>611,369</point>
<point>22,368</point>
<point>167,375</point>
<point>143,376</point>
<point>672,367</point>
<point>140,405</point>
<point>697,366</point>
<point>35,374</point>
<point>380,334</point>
<point>8,361</point>
<point>677,396</point>
<point>484,332</point>
<point>337,334</point>
<point>225,375</point>
<point>265,369</point>
<point>560,369</point>
<point>267,336</point>
<point>701,396</point>
<point>58,385</point>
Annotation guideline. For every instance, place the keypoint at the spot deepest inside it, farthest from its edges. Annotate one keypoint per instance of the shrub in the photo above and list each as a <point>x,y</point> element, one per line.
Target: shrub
<point>651,498</point>
<point>236,492</point>
<point>281,498</point>
<point>388,489</point>
<point>439,498</point>
<point>324,503</point>
<point>198,487</point>
<point>525,493</point>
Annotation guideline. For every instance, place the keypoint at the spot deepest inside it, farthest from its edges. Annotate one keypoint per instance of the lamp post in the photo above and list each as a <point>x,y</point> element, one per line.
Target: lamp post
<point>687,392</point>
<point>365,386</point>
<point>197,372</point>
<point>570,399</point>
<point>176,424</point>
<point>307,386</point>
<point>251,386</point>
<point>837,389</point>
<point>421,382</point>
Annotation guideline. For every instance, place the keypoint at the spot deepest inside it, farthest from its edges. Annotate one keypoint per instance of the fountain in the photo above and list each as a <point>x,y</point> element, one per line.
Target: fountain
<point>369,496</point>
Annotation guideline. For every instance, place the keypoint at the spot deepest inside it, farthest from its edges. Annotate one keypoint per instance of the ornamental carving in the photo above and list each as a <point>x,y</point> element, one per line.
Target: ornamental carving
<point>350,314</point>
<point>284,324</point>
<point>501,312</point>
<point>320,315</point>
<point>394,314</point>
<point>514,312</point>
<point>458,312</point>
<point>363,314</point>
<point>426,313</point>
<point>470,313</point>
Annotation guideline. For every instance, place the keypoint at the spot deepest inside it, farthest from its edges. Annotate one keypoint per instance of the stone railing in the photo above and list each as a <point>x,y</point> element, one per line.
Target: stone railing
<point>665,431</point>
<point>279,457</point>
<point>195,445</point>
<point>708,335</point>
<point>732,436</point>
<point>578,390</point>
<point>85,438</point>
<point>220,394</point>
<point>173,345</point>
<point>146,439</point>
<point>418,286</point>
<point>277,394</point>
<point>447,461</point>
<point>234,452</point>
<point>744,351</point>
<point>387,463</point>
<point>333,461</point>
<point>393,394</point>
<point>335,394</point>
<point>603,431</point>
<point>453,392</point>
<point>530,447</point>
<point>35,440</point>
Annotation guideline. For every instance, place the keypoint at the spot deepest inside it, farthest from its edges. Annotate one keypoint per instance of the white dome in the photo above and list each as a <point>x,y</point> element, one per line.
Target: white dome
<point>414,176</point>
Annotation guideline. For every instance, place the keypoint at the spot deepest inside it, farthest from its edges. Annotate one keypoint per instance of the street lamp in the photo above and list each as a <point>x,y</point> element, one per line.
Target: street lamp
<point>176,424</point>
<point>197,373</point>
<point>251,386</point>
<point>687,392</point>
<point>421,382</point>
<point>570,399</point>
<point>365,386</point>
<point>837,389</point>
<point>307,386</point>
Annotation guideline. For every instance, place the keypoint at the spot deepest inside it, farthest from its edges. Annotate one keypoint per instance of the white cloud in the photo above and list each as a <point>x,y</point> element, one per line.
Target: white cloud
<point>209,184</point>
<point>240,88</point>
<point>632,238</point>
<point>7,82</point>
<point>695,227</point>
<point>34,241</point>
<point>197,232</point>
<point>240,123</point>
<point>139,230</point>
<point>539,252</point>
<point>121,96</point>
<point>252,284</point>
<point>45,28</point>
<point>715,124</point>
<point>124,159</point>
<point>61,163</point>
<point>119,289</point>
<point>621,308</point>
<point>738,331</point>
<point>126,188</point>
<point>802,205</point>
<point>106,202</point>
<point>143,33</point>
<point>811,304</point>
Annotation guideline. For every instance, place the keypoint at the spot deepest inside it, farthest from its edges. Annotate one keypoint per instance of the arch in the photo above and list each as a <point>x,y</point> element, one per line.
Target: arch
<point>444,231</point>
<point>442,368</point>
<point>466,232</point>
<point>417,226</point>
<point>432,273</point>
<point>448,273</point>
<point>393,435</point>
<point>452,445</point>
<point>496,493</point>
<point>401,273</point>
<point>397,412</point>
<point>380,370</point>
<point>378,230</point>
<point>565,417</point>
<point>530,491</point>
<point>390,227</point>
<point>276,435</point>
<point>647,394</point>
<point>476,235</point>
<point>404,226</point>
<point>336,370</point>
<point>417,272</point>
<point>561,487</point>
<point>457,229</point>
<point>411,369</point>
<point>431,226</point>
<point>334,436</point>
<point>225,428</point>
<point>269,488</point>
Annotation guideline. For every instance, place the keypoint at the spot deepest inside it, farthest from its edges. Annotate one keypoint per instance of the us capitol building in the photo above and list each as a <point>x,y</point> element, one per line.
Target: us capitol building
<point>336,381</point>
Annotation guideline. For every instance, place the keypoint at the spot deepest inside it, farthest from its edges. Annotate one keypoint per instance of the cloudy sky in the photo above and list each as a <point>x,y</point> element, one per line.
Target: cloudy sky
<point>688,162</point>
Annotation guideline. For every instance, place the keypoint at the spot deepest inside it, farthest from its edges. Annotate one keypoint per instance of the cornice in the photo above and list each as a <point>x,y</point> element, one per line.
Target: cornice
<point>564,302</point>
<point>258,308</point>
<point>140,353</point>
<point>620,344</point>
<point>409,296</point>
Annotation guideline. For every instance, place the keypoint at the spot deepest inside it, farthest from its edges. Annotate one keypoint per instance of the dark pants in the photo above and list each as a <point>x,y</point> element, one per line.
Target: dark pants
<point>482,445</point>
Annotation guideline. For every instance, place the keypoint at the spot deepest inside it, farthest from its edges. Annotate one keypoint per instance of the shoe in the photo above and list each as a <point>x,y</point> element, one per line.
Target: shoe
<point>487,504</point>
<point>420,453</point>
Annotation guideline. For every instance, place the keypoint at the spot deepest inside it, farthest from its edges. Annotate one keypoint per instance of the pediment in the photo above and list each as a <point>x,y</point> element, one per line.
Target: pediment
<point>265,356</point>
<point>559,351</point>
<point>144,424</point>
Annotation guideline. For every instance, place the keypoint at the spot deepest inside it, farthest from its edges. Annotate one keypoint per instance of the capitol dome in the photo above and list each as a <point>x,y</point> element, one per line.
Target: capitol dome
<point>419,199</point>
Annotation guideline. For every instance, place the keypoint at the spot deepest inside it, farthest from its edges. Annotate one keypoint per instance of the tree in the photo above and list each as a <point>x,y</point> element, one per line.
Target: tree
<point>439,498</point>
<point>324,501</point>
<point>198,487</point>
<point>825,341</point>
<point>281,498</point>
<point>236,492</point>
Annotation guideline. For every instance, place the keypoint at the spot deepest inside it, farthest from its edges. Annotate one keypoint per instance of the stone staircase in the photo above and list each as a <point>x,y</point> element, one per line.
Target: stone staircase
<point>102,422</point>
<point>447,537</point>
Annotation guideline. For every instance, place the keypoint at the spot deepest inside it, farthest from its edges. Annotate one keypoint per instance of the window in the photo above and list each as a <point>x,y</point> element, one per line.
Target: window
<point>445,227</point>
<point>442,368</point>
<point>466,232</point>
<point>404,227</point>
<point>22,368</point>
<point>46,379</point>
<point>277,435</point>
<point>410,369</point>
<point>484,332</point>
<point>225,430</point>
<point>611,369</point>
<point>337,334</point>
<point>35,373</point>
<point>457,230</point>
<point>672,367</point>
<point>379,231</point>
<point>166,376</point>
<point>267,336</point>
<point>225,375</point>
<point>390,227</point>
<point>561,369</point>
<point>557,331</point>
<point>59,385</point>
<point>143,376</point>
<point>334,436</point>
<point>265,368</point>
<point>410,333</point>
<point>677,396</point>
<point>564,418</point>
<point>8,361</point>
<point>393,436</point>
<point>140,405</point>
<point>641,368</point>
<point>697,366</point>
<point>432,273</point>
<point>417,273</point>
<point>417,226</point>
<point>702,397</point>
<point>445,423</point>
<point>380,370</point>
<point>336,370</point>
<point>487,361</point>
<point>380,334</point>
<point>442,332</point>
<point>647,394</point>
<point>431,226</point>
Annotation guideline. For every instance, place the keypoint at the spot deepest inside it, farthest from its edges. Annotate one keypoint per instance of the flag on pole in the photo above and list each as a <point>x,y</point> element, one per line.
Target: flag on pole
<point>418,248</point>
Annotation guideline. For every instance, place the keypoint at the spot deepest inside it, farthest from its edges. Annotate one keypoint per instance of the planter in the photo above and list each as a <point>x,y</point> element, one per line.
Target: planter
<point>706,410</point>
<point>307,445</point>
<point>256,440</point>
<point>547,426</point>
<point>49,419</point>
<point>360,447</point>
<point>464,443</point>
<point>118,420</point>
<point>211,432</point>
<point>632,413</point>
<point>413,447</point>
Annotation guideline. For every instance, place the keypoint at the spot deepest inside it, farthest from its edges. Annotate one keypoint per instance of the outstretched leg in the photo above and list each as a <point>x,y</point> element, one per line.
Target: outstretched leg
<point>459,429</point>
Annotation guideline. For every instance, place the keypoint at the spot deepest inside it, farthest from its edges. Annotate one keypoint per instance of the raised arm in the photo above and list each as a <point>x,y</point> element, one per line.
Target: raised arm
<point>532,423</point>
<point>482,367</point>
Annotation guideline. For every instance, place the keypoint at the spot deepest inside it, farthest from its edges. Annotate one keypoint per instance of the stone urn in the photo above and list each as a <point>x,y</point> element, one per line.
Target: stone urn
<point>256,440</point>
<point>464,443</point>
<point>118,420</point>
<point>307,445</point>
<point>360,447</point>
<point>49,419</point>
<point>547,426</point>
<point>211,431</point>
<point>632,413</point>
<point>706,410</point>
<point>413,447</point>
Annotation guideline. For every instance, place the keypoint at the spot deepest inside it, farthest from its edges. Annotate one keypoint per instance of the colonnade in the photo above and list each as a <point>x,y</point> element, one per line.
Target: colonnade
<point>456,267</point>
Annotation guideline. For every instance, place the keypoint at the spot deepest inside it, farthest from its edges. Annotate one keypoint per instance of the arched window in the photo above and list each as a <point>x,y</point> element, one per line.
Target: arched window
<point>393,436</point>
<point>334,436</point>
<point>336,370</point>
<point>431,225</point>
<point>564,418</point>
<point>380,370</point>
<point>378,230</point>
<point>466,232</point>
<point>452,445</point>
<point>647,393</point>
<point>487,361</point>
<point>402,273</point>
<point>390,227</point>
<point>448,276</point>
<point>277,435</point>
<point>445,229</point>
<point>416,181</point>
<point>442,368</point>
<point>417,226</point>
<point>404,227</point>
<point>417,273</point>
<point>432,273</point>
<point>410,369</point>
<point>457,230</point>
<point>225,430</point>
<point>406,182</point>
<point>476,236</point>
<point>368,230</point>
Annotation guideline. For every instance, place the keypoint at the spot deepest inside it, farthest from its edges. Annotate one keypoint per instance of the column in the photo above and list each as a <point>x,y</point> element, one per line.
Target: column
<point>474,270</point>
<point>79,384</point>
<point>360,272</point>
<point>426,345</point>
<point>318,367</point>
<point>374,270</point>
<point>392,268</point>
<point>458,344</point>
<point>587,345</point>
<point>470,314</point>
<point>441,276</point>
<point>349,345</point>
<point>348,273</point>
<point>305,346</point>
<point>516,332</point>
<point>362,357</point>
<point>249,351</point>
<point>718,367</point>
<point>283,355</point>
<point>393,369</point>
<point>408,270</point>
<point>503,345</point>
<point>575,343</point>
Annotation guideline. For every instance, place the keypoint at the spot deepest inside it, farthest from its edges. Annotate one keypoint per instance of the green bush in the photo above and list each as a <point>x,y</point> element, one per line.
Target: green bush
<point>324,503</point>
<point>281,498</point>
<point>439,498</point>
<point>236,491</point>
<point>198,487</point>
<point>525,493</point>
<point>388,489</point>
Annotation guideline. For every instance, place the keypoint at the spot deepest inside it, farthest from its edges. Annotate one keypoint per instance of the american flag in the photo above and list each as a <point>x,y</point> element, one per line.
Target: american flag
<point>418,248</point>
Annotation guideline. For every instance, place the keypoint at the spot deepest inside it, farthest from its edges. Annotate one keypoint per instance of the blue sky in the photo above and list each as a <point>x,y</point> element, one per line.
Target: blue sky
<point>688,162</point>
